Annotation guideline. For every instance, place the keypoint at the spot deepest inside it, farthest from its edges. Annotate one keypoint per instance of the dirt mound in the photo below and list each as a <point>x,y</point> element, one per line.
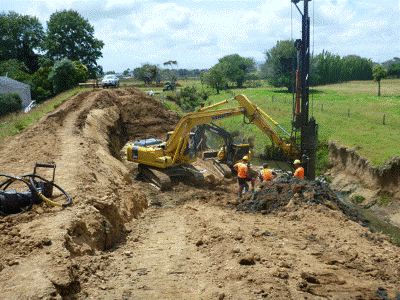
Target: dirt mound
<point>287,191</point>
<point>83,136</point>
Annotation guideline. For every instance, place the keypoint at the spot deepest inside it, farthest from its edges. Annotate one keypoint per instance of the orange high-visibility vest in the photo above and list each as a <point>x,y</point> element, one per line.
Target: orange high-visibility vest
<point>242,169</point>
<point>266,174</point>
<point>299,172</point>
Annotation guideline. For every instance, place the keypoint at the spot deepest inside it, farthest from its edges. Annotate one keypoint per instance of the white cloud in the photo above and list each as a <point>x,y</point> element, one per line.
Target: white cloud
<point>198,33</point>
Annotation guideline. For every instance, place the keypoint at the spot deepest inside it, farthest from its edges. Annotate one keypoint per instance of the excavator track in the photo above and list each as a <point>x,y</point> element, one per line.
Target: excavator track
<point>194,176</point>
<point>222,168</point>
<point>162,177</point>
<point>155,176</point>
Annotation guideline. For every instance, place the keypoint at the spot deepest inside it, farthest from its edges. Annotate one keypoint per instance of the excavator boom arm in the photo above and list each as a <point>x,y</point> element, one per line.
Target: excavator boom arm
<point>179,139</point>
<point>258,117</point>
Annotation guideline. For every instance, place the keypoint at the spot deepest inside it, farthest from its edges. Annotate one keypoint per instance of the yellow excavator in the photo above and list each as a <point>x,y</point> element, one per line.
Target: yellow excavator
<point>161,161</point>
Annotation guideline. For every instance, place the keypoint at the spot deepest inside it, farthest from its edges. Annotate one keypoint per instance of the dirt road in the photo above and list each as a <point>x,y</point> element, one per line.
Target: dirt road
<point>123,239</point>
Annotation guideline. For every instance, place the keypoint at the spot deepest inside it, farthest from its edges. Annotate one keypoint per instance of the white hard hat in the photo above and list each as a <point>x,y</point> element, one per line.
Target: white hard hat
<point>297,162</point>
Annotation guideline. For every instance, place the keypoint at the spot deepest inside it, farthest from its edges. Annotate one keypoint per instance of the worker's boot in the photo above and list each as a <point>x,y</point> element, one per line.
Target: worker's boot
<point>246,189</point>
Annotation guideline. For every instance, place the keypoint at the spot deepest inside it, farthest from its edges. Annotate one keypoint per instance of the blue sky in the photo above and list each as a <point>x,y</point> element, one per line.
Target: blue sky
<point>197,33</point>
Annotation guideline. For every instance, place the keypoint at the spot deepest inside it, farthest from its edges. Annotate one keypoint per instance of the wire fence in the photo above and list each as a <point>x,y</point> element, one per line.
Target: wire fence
<point>327,108</point>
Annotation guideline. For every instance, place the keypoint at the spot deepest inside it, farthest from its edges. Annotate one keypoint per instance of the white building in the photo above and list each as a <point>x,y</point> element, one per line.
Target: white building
<point>8,85</point>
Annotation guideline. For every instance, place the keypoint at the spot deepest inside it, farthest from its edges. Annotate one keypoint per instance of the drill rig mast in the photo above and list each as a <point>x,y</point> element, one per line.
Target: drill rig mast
<point>308,127</point>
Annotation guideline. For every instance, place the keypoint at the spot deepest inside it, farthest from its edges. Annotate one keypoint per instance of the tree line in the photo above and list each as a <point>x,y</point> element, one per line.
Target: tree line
<point>325,68</point>
<point>149,73</point>
<point>49,61</point>
<point>281,63</point>
<point>279,68</point>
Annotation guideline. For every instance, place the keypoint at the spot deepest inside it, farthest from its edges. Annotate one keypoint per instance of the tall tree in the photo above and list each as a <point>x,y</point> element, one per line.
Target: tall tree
<point>71,36</point>
<point>20,38</point>
<point>148,73</point>
<point>327,68</point>
<point>215,78</point>
<point>170,75</point>
<point>379,73</point>
<point>15,69</point>
<point>393,67</point>
<point>279,66</point>
<point>237,68</point>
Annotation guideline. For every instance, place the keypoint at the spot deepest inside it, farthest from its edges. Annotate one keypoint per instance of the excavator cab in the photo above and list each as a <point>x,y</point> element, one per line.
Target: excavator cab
<point>231,154</point>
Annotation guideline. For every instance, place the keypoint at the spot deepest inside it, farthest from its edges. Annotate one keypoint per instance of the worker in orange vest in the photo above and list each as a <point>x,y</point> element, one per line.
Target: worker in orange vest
<point>299,170</point>
<point>243,177</point>
<point>266,174</point>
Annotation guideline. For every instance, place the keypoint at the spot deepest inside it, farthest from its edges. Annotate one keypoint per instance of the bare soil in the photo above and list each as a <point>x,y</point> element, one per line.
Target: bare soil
<point>124,239</point>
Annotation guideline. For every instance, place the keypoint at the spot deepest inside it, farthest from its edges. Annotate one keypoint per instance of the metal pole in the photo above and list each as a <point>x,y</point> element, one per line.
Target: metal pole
<point>309,128</point>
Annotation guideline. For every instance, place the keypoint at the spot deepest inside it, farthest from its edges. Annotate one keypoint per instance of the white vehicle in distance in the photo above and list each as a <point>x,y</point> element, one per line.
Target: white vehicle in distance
<point>110,80</point>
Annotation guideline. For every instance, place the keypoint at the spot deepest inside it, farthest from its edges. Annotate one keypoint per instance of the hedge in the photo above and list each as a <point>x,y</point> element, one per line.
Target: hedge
<point>10,103</point>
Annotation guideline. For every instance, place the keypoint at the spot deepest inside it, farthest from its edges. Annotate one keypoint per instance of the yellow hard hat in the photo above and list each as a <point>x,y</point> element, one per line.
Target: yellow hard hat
<point>297,162</point>
<point>245,157</point>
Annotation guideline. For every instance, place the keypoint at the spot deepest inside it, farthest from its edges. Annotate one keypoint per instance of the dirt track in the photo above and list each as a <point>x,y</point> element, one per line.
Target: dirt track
<point>123,239</point>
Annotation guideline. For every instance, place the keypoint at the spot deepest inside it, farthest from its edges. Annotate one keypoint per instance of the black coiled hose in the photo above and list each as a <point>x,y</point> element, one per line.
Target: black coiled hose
<point>12,202</point>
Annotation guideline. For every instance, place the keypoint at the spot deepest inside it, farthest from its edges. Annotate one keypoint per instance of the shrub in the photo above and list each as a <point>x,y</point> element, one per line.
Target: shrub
<point>189,98</point>
<point>41,86</point>
<point>357,199</point>
<point>62,76</point>
<point>10,103</point>
<point>82,72</point>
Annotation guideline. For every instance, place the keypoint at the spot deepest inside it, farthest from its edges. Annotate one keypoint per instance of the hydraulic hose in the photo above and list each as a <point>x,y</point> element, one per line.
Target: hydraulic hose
<point>26,199</point>
<point>40,194</point>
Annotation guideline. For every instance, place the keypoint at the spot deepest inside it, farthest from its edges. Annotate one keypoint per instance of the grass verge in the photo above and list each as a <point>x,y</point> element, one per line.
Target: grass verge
<point>14,123</point>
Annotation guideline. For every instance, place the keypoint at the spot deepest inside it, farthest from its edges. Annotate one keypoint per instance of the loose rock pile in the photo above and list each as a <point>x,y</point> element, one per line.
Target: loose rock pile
<point>287,192</point>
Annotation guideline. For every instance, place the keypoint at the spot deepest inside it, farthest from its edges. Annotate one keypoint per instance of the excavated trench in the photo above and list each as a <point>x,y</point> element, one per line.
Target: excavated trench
<point>114,118</point>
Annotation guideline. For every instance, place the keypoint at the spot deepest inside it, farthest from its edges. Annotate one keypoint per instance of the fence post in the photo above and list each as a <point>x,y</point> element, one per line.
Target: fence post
<point>272,98</point>
<point>322,107</point>
<point>348,112</point>
<point>384,116</point>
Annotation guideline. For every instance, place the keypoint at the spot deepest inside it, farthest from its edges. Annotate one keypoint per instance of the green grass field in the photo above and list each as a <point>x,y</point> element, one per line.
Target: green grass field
<point>349,113</point>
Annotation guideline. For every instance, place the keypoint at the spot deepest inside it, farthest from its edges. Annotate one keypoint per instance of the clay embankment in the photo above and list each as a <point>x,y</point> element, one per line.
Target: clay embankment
<point>355,174</point>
